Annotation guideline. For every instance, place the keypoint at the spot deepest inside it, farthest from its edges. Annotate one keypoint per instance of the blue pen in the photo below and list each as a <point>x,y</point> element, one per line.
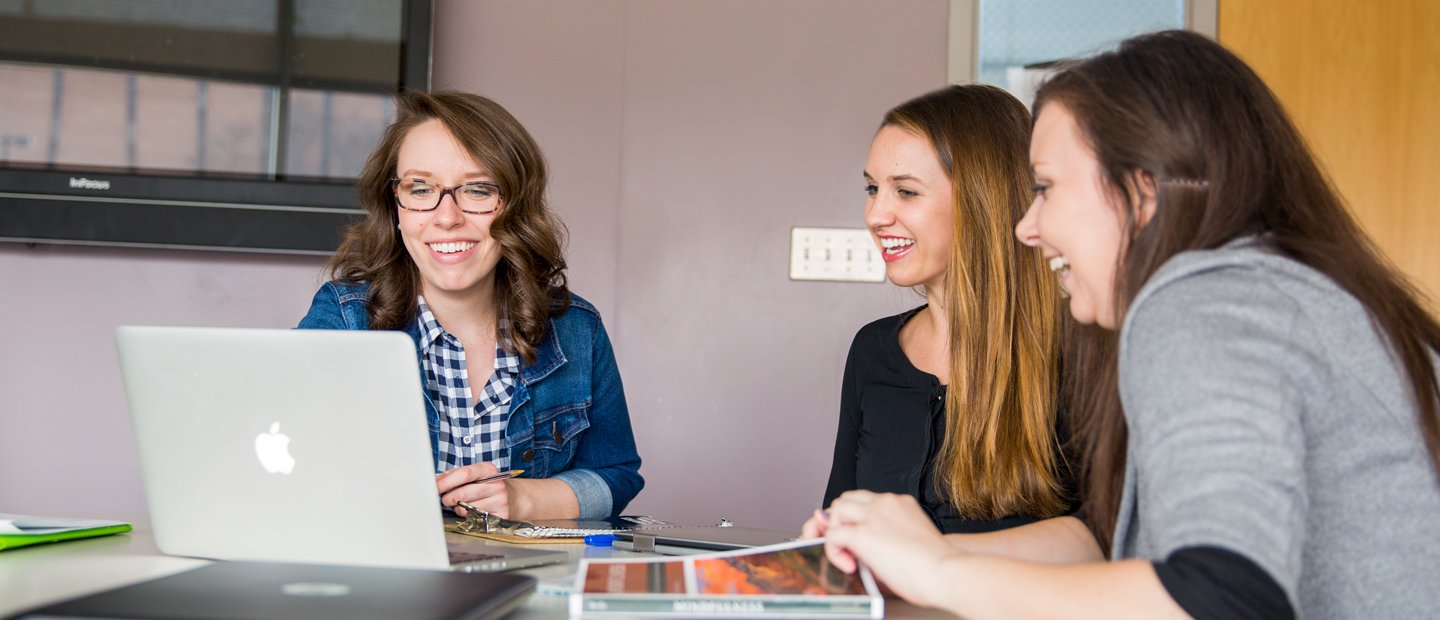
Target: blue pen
<point>600,540</point>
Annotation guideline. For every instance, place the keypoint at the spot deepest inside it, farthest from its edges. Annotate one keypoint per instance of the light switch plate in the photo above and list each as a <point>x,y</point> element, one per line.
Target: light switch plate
<point>834,254</point>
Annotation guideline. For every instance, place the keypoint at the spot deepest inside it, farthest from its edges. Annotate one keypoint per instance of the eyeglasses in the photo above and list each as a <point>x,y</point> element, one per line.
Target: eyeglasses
<point>477,197</point>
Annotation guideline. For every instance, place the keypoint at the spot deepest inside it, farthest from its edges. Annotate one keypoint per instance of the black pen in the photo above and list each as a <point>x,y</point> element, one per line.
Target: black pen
<point>491,478</point>
<point>500,476</point>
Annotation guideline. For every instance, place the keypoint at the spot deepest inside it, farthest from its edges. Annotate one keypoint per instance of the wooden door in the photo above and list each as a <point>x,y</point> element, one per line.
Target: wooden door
<point>1362,80</point>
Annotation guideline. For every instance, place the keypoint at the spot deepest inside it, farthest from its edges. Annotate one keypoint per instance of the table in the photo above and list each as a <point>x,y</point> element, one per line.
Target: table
<point>41,574</point>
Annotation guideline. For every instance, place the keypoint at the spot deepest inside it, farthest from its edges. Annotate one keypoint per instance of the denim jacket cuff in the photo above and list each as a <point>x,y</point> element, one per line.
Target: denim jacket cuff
<point>591,491</point>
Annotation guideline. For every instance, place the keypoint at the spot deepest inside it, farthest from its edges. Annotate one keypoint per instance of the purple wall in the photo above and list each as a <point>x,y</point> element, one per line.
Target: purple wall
<point>685,139</point>
<point>742,120</point>
<point>65,441</point>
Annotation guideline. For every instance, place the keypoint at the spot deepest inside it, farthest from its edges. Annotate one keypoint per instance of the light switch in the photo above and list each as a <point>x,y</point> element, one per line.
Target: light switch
<point>834,254</point>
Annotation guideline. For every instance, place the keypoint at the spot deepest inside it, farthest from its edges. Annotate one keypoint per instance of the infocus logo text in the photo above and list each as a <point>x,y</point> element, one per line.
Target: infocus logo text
<point>84,183</point>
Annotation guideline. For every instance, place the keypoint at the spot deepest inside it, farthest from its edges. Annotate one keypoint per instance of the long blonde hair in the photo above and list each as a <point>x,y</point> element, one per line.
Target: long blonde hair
<point>1000,454</point>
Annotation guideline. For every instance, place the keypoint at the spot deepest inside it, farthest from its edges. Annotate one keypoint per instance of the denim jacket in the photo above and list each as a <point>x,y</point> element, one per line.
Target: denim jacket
<point>568,418</point>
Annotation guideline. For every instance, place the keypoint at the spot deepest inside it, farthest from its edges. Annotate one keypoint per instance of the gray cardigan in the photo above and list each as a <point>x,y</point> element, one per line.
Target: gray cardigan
<point>1267,417</point>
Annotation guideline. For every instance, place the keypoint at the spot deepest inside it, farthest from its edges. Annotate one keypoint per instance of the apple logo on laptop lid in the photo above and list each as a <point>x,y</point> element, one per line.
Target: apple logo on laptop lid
<point>273,450</point>
<point>318,589</point>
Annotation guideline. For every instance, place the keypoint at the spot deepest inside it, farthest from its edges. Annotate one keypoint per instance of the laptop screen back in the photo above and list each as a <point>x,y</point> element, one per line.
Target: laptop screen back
<point>283,445</point>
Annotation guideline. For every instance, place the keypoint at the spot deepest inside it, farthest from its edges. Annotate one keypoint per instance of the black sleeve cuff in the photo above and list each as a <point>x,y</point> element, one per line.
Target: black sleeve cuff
<point>1211,582</point>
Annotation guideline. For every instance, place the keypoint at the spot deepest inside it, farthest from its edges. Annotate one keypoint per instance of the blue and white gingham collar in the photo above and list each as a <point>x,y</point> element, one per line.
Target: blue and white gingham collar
<point>431,330</point>
<point>506,360</point>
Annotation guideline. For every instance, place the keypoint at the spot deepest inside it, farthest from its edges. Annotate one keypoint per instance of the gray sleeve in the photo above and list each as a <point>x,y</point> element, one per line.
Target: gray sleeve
<point>1210,379</point>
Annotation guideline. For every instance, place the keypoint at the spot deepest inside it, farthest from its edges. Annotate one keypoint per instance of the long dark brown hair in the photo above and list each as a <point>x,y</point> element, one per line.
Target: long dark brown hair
<point>1226,162</point>
<point>1000,455</point>
<point>530,284</point>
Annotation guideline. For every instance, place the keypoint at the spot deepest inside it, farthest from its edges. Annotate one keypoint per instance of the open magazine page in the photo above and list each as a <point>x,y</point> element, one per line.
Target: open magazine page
<point>788,580</point>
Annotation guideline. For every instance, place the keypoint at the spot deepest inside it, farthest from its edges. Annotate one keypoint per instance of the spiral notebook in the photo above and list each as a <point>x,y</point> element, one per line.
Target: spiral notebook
<point>489,526</point>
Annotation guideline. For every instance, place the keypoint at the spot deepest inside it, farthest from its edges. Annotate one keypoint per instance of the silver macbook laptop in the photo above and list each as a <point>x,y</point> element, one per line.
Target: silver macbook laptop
<point>291,446</point>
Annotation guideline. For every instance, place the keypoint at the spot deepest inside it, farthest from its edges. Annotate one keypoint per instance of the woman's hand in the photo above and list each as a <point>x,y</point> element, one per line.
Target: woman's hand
<point>512,498</point>
<point>492,497</point>
<point>816,526</point>
<point>893,536</point>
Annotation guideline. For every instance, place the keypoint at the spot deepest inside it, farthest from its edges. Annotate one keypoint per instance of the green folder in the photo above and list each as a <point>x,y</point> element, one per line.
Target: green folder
<point>24,530</point>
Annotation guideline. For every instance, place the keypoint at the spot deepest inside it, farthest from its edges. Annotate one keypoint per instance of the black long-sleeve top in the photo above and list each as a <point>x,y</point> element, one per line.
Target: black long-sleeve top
<point>892,423</point>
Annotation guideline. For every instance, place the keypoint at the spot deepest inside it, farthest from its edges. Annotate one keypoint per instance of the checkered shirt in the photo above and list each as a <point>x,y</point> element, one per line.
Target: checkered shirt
<point>472,430</point>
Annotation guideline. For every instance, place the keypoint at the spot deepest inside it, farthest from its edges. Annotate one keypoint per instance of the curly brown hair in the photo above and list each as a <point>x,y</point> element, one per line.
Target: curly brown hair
<point>530,284</point>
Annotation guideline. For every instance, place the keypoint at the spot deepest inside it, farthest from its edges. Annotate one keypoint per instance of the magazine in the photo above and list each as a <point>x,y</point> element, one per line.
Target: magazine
<point>787,580</point>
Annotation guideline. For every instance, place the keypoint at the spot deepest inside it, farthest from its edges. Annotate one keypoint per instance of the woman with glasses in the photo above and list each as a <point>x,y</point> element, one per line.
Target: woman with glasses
<point>459,250</point>
<point>953,403</point>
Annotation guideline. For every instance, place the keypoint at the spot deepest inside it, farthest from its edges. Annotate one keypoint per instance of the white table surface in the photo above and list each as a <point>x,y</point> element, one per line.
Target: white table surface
<point>48,573</point>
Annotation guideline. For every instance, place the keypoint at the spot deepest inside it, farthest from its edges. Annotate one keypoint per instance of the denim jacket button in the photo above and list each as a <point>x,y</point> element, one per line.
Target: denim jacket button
<point>528,456</point>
